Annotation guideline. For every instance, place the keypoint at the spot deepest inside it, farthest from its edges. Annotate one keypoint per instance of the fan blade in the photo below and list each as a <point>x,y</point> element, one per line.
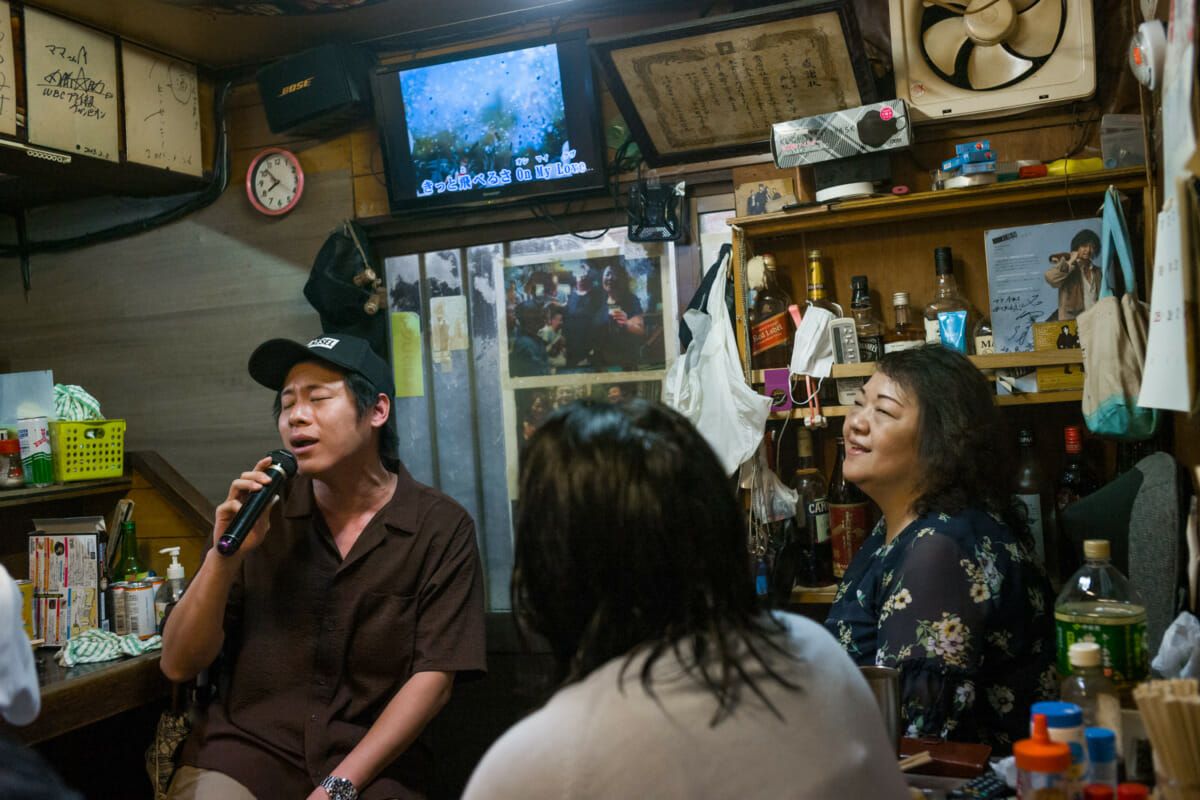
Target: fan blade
<point>942,41</point>
<point>990,67</point>
<point>1021,5</point>
<point>1038,29</point>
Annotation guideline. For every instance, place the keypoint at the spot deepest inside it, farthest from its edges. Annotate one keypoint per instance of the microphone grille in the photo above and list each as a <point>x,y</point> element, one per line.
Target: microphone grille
<point>285,460</point>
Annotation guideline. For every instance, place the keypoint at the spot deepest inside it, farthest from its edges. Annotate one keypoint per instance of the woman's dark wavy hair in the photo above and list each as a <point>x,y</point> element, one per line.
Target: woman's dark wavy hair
<point>629,539</point>
<point>963,443</point>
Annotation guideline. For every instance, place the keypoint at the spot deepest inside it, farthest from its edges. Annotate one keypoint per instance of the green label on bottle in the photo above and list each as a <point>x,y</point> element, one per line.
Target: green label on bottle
<point>1122,643</point>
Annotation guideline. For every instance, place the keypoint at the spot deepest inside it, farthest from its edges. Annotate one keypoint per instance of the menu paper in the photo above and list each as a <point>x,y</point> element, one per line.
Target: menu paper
<point>8,100</point>
<point>71,77</point>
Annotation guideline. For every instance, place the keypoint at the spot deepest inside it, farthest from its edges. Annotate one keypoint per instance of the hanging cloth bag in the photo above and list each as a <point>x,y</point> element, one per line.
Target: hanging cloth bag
<point>1112,334</point>
<point>706,384</point>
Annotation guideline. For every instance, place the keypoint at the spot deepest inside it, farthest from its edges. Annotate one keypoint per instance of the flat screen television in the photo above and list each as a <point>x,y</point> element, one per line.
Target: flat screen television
<point>491,125</point>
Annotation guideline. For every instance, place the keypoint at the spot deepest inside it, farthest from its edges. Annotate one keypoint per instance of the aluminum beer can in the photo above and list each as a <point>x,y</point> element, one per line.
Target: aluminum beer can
<point>36,458</point>
<point>26,587</point>
<point>139,609</point>
<point>116,593</point>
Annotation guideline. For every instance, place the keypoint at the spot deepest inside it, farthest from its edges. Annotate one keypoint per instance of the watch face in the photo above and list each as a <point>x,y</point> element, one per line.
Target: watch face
<point>275,182</point>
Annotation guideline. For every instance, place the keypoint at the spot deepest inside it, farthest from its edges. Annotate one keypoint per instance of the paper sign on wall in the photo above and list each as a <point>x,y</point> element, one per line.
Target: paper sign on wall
<point>71,75</point>
<point>8,100</point>
<point>162,111</point>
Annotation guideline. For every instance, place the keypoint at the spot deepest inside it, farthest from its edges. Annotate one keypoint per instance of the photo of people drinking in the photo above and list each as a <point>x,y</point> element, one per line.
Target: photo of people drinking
<point>584,315</point>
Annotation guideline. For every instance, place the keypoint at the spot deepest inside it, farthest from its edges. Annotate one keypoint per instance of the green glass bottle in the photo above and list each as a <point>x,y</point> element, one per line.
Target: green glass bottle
<point>130,568</point>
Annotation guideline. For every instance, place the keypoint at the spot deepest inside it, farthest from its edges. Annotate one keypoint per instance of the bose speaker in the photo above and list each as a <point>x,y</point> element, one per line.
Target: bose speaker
<point>318,92</point>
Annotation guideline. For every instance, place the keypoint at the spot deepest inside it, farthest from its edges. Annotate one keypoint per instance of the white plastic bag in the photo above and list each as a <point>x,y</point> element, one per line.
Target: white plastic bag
<point>706,385</point>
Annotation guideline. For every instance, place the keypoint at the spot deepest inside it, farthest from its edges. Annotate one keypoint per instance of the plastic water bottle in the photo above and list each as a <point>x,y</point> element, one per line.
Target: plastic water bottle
<point>1099,604</point>
<point>1089,688</point>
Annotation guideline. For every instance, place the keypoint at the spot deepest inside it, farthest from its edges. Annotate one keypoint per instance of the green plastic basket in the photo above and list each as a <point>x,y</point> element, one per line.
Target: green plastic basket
<point>88,450</point>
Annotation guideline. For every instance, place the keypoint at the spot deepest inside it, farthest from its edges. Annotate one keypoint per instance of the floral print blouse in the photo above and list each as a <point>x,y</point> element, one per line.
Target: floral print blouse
<point>965,613</point>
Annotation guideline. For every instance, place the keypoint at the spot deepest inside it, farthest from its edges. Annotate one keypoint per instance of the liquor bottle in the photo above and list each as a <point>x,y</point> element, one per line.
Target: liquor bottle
<point>781,535</point>
<point>1099,604</point>
<point>948,309</point>
<point>130,568</point>
<point>848,514</point>
<point>867,324</point>
<point>1034,494</point>
<point>818,296</point>
<point>815,552</point>
<point>981,337</point>
<point>1075,481</point>
<point>771,329</point>
<point>907,332</point>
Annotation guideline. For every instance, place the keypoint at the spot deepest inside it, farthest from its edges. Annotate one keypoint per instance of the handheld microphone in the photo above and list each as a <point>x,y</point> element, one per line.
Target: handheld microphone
<point>282,467</point>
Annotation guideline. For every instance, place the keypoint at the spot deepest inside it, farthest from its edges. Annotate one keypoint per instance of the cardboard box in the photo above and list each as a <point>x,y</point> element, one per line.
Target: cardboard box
<point>841,134</point>
<point>65,566</point>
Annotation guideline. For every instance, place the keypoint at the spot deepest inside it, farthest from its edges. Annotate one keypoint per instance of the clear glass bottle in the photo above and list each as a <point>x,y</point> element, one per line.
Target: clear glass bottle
<point>948,308</point>
<point>815,552</point>
<point>772,331</point>
<point>1034,493</point>
<point>1099,604</point>
<point>1089,688</point>
<point>849,514</point>
<point>867,325</point>
<point>906,332</point>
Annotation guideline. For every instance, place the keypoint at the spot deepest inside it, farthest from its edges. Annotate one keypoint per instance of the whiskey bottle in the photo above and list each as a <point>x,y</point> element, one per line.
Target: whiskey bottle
<point>771,329</point>
<point>1034,492</point>
<point>867,325</point>
<point>818,296</point>
<point>907,332</point>
<point>948,310</point>
<point>848,514</point>
<point>815,551</point>
<point>1075,481</point>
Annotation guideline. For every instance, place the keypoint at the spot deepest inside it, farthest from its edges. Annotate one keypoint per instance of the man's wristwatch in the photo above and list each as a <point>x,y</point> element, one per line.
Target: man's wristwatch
<point>339,788</point>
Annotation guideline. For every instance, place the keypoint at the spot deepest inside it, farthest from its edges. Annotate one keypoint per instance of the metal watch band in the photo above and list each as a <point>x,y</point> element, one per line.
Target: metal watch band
<point>339,788</point>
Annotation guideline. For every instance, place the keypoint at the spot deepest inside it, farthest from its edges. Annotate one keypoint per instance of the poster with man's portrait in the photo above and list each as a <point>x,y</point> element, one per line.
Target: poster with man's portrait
<point>584,315</point>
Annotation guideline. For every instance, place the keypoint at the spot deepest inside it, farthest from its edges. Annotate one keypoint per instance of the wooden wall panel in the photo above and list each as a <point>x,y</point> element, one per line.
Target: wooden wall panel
<point>159,326</point>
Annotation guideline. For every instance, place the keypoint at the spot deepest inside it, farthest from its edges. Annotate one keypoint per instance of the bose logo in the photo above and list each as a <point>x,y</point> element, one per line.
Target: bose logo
<point>297,86</point>
<point>327,342</point>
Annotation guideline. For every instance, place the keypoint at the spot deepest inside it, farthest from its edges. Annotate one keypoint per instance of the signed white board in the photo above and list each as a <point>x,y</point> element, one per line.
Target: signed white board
<point>71,75</point>
<point>8,100</point>
<point>162,111</point>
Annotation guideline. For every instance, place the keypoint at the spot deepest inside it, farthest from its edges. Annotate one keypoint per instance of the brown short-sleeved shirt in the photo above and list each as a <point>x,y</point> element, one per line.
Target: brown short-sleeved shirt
<point>316,646</point>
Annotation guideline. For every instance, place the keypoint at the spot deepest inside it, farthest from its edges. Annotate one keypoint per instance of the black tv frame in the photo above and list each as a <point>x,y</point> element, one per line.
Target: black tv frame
<point>581,106</point>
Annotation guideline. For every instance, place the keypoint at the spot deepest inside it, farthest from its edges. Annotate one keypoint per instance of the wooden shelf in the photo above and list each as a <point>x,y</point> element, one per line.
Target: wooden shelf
<point>64,491</point>
<point>1027,399</point>
<point>895,208</point>
<point>1038,358</point>
<point>814,594</point>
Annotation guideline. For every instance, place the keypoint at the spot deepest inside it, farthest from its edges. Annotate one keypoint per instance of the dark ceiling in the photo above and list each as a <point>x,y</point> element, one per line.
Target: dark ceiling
<point>195,31</point>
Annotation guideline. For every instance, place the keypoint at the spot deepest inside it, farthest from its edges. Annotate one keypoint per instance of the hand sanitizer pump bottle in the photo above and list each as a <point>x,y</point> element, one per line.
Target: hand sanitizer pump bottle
<point>172,588</point>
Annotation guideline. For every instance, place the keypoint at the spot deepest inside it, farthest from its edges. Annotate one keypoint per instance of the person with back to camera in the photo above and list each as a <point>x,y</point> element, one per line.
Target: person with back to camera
<point>947,588</point>
<point>630,561</point>
<point>347,613</point>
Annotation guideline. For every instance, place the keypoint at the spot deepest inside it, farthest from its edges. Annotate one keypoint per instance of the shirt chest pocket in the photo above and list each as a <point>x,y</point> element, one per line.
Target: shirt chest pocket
<point>381,640</point>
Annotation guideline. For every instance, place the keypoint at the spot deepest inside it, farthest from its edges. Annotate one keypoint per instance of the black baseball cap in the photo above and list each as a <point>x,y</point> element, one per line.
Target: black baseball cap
<point>272,360</point>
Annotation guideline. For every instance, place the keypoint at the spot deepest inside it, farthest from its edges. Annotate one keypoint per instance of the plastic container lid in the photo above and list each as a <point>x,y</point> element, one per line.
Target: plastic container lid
<point>1084,654</point>
<point>1096,548</point>
<point>1101,745</point>
<point>1040,753</point>
<point>1058,714</point>
<point>1133,791</point>
<point>1097,791</point>
<point>10,446</point>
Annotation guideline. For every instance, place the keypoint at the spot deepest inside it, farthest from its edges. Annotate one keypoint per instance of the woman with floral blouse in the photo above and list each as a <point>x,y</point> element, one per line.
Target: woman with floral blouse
<point>947,589</point>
